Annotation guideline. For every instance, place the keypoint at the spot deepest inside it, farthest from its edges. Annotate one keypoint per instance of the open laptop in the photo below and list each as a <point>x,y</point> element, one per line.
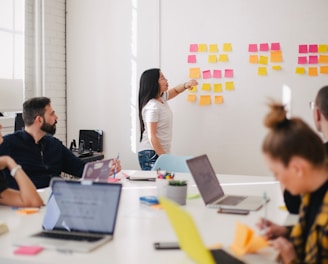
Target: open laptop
<point>212,192</point>
<point>189,238</point>
<point>80,216</point>
<point>97,170</point>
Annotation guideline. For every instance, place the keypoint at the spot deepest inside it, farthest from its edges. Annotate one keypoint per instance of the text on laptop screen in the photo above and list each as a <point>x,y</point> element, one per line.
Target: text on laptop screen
<point>73,206</point>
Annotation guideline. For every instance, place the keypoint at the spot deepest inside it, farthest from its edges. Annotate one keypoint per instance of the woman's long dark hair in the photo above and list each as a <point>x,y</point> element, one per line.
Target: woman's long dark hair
<point>148,89</point>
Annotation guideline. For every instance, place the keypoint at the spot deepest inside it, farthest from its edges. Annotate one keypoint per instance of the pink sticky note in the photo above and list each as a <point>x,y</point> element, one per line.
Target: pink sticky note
<point>302,48</point>
<point>28,250</point>
<point>302,60</point>
<point>275,46</point>
<point>206,74</point>
<point>193,48</point>
<point>228,73</point>
<point>252,48</point>
<point>217,74</point>
<point>264,47</point>
<point>192,59</point>
<point>313,59</point>
<point>313,48</point>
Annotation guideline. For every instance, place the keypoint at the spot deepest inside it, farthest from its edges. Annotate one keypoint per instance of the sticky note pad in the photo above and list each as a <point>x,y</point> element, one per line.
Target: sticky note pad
<point>206,87</point>
<point>27,211</point>
<point>214,48</point>
<point>218,99</point>
<point>202,47</point>
<point>212,58</point>
<point>275,46</point>
<point>324,69</point>
<point>217,88</point>
<point>313,71</point>
<point>193,47</point>
<point>191,98</point>
<point>254,59</point>
<point>300,70</point>
<point>207,74</point>
<point>192,59</point>
<point>262,71</point>
<point>252,48</point>
<point>263,60</point>
<point>223,58</point>
<point>205,100</point>
<point>264,47</point>
<point>217,74</point>
<point>227,47</point>
<point>28,250</point>
<point>194,73</point>
<point>303,48</point>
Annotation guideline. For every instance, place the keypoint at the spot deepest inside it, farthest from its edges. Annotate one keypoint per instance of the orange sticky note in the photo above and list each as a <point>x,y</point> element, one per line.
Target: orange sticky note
<point>276,56</point>
<point>194,73</point>
<point>191,98</point>
<point>254,59</point>
<point>218,99</point>
<point>205,100</point>
<point>323,59</point>
<point>27,210</point>
<point>313,71</point>
<point>324,69</point>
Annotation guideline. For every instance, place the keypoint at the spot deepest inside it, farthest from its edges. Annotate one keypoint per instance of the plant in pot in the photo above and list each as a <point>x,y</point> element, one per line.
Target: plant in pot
<point>177,191</point>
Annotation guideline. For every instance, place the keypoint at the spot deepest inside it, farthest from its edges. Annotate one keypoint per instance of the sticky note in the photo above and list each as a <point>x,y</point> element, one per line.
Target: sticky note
<point>217,87</point>
<point>276,56</point>
<point>192,59</point>
<point>253,59</point>
<point>229,86</point>
<point>212,58</point>
<point>302,48</point>
<point>324,69</point>
<point>217,74</point>
<point>27,210</point>
<point>194,73</point>
<point>214,48</point>
<point>193,89</point>
<point>207,74</point>
<point>313,48</point>
<point>276,67</point>
<point>300,70</point>
<point>193,47</point>
<point>313,71</point>
<point>263,60</point>
<point>302,60</point>
<point>28,250</point>
<point>313,59</point>
<point>252,48</point>
<point>262,71</point>
<point>323,59</point>
<point>228,73</point>
<point>191,98</point>
<point>223,57</point>
<point>205,100</point>
<point>323,48</point>
<point>264,47</point>
<point>202,47</point>
<point>218,99</point>
<point>227,47</point>
<point>275,46</point>
<point>206,87</point>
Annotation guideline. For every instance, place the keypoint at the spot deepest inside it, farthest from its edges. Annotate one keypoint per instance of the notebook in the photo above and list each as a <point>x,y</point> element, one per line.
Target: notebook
<point>189,238</point>
<point>80,216</point>
<point>98,171</point>
<point>212,192</point>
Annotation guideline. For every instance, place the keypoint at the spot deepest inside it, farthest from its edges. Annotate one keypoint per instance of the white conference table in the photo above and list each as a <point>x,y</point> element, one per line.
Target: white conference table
<point>139,226</point>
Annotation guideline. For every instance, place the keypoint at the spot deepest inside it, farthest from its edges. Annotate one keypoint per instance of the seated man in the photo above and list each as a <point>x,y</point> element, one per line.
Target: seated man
<point>41,155</point>
<point>26,196</point>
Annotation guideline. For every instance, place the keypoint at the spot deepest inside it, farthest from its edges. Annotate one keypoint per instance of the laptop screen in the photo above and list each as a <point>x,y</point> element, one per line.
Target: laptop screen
<point>82,206</point>
<point>97,170</point>
<point>205,178</point>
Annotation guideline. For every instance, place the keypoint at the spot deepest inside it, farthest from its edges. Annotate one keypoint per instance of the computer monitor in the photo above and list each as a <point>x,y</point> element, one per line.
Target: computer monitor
<point>94,136</point>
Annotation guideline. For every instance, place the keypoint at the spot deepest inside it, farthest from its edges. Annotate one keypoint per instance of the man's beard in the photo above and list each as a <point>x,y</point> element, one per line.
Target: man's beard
<point>48,128</point>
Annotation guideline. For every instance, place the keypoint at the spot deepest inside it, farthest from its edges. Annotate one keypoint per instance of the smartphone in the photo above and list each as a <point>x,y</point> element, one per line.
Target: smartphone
<point>166,245</point>
<point>233,211</point>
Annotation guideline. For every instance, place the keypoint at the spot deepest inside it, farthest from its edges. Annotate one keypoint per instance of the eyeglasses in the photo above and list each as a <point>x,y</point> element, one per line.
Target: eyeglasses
<point>312,105</point>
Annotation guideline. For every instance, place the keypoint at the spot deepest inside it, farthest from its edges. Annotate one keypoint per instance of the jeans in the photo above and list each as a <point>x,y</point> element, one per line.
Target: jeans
<point>147,159</point>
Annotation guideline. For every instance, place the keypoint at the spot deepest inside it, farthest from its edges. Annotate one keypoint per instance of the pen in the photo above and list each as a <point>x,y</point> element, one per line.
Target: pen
<point>117,159</point>
<point>265,210</point>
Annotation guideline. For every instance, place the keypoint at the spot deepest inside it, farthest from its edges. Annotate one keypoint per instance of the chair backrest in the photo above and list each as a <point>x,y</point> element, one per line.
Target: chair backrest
<point>172,163</point>
<point>19,122</point>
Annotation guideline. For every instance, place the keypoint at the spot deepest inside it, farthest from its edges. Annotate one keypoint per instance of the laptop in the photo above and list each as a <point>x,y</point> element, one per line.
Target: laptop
<point>189,237</point>
<point>80,216</point>
<point>211,189</point>
<point>97,170</point>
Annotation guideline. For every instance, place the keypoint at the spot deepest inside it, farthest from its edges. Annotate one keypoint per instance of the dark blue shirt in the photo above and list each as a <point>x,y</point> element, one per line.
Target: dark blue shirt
<point>41,161</point>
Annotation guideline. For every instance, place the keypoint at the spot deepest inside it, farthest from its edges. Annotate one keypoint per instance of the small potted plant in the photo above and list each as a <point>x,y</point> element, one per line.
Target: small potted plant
<point>177,191</point>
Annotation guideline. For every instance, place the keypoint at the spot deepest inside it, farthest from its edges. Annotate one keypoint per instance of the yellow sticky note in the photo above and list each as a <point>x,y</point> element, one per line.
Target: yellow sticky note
<point>300,70</point>
<point>214,48</point>
<point>276,67</point>
<point>276,56</point>
<point>263,60</point>
<point>323,59</point>
<point>254,59</point>
<point>205,100</point>
<point>227,47</point>
<point>223,57</point>
<point>194,73</point>
<point>193,89</point>
<point>202,47</point>
<point>323,48</point>
<point>191,98</point>
<point>218,99</point>
<point>206,87</point>
<point>212,58</point>
<point>324,69</point>
<point>262,71</point>
<point>229,86</point>
<point>313,71</point>
<point>217,88</point>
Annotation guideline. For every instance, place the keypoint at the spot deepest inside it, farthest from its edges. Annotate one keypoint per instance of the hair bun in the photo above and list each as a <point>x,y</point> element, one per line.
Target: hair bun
<point>277,116</point>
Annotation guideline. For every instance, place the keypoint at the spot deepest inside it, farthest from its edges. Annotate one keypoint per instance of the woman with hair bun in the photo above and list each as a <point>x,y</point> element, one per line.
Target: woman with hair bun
<point>296,156</point>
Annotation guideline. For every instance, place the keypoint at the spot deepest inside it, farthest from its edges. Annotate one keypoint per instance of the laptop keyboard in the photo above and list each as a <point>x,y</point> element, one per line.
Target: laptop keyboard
<point>69,236</point>
<point>232,200</point>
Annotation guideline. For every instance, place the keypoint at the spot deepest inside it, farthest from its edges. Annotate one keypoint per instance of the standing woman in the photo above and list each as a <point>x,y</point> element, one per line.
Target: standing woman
<point>155,115</point>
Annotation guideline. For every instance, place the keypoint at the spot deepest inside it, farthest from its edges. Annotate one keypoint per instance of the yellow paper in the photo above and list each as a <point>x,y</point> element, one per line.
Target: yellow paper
<point>300,70</point>
<point>227,47</point>
<point>254,59</point>
<point>218,99</point>
<point>229,86</point>
<point>276,67</point>
<point>194,73</point>
<point>205,100</point>
<point>192,98</point>
<point>323,48</point>
<point>206,87</point>
<point>324,69</point>
<point>212,58</point>
<point>262,71</point>
<point>217,88</point>
<point>193,89</point>
<point>263,60</point>
<point>223,58</point>
<point>214,48</point>
<point>323,59</point>
<point>313,71</point>
<point>276,56</point>
<point>202,47</point>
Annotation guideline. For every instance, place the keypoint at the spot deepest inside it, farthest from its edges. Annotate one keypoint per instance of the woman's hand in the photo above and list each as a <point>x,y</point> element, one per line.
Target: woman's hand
<point>190,84</point>
<point>116,167</point>
<point>285,249</point>
<point>271,230</point>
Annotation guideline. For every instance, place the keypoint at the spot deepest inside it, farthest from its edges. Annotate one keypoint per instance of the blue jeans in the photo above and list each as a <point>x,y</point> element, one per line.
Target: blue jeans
<point>147,159</point>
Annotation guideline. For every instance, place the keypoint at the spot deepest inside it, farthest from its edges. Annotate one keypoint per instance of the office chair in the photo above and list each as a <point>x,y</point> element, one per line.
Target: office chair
<point>19,122</point>
<point>172,163</point>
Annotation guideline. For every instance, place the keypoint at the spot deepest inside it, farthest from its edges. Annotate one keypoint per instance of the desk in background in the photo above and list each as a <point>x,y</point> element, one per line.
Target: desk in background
<point>94,157</point>
<point>139,226</point>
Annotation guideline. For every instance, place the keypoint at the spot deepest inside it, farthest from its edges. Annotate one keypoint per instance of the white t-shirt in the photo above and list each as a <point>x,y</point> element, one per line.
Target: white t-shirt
<point>155,111</point>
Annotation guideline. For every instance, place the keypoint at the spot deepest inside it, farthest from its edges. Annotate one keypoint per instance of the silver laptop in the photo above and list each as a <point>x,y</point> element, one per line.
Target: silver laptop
<point>97,170</point>
<point>80,216</point>
<point>211,190</point>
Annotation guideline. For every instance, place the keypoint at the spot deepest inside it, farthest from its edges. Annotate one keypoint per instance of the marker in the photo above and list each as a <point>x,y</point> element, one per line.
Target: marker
<point>117,159</point>
<point>265,210</point>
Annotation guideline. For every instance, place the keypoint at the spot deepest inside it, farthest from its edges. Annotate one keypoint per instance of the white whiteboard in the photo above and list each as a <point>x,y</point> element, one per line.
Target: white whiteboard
<point>232,133</point>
